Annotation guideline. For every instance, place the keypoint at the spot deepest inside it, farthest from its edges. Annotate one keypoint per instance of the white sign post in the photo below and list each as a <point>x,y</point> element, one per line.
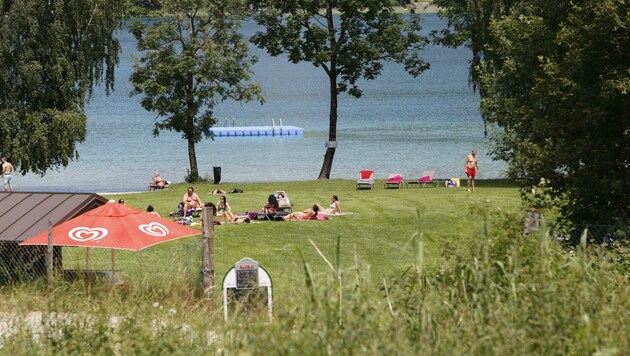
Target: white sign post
<point>245,277</point>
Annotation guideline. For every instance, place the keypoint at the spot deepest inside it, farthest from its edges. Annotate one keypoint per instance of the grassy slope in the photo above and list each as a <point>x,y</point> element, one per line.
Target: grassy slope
<point>494,293</point>
<point>377,233</point>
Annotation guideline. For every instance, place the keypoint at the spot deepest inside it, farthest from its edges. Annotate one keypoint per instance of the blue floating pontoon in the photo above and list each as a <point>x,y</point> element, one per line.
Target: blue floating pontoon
<point>255,131</point>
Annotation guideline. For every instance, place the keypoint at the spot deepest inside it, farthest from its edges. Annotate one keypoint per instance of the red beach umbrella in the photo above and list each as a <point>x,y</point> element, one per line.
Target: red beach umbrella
<point>114,226</point>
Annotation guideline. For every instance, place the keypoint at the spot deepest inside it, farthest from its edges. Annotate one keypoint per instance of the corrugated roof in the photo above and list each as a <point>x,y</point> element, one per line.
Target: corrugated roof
<point>26,214</point>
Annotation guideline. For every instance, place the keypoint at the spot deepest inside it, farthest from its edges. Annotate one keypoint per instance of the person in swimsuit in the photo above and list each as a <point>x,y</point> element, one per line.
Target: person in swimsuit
<point>333,209</point>
<point>157,182</point>
<point>191,200</point>
<point>472,168</point>
<point>272,204</point>
<point>224,208</point>
<point>308,214</point>
<point>152,211</point>
<point>7,170</point>
<point>227,214</point>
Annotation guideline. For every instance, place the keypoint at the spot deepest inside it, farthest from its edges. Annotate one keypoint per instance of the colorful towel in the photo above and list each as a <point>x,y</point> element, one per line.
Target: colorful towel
<point>395,179</point>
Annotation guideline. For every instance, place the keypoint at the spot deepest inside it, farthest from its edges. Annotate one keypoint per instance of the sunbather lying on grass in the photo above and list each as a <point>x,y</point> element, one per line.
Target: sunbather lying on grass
<point>308,214</point>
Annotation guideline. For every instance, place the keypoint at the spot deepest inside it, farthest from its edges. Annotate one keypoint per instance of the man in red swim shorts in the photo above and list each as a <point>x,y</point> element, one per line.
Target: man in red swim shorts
<point>472,167</point>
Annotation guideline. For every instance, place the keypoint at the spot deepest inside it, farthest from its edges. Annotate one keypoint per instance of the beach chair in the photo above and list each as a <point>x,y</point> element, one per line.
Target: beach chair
<point>366,179</point>
<point>153,187</point>
<point>179,213</point>
<point>395,180</point>
<point>284,204</point>
<point>425,179</point>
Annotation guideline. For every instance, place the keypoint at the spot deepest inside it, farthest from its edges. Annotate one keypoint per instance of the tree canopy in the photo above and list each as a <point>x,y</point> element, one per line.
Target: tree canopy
<point>349,46</point>
<point>193,57</point>
<point>554,79</point>
<point>52,54</point>
<point>558,89</point>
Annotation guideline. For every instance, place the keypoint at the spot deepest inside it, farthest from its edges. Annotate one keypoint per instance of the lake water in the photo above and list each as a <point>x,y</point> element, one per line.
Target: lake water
<point>400,125</point>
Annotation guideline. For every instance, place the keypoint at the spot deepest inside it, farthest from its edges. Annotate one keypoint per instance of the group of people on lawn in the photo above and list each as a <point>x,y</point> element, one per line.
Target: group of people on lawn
<point>192,201</point>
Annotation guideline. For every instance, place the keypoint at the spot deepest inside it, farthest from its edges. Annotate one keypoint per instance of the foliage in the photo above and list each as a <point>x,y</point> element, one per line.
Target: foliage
<point>52,53</point>
<point>193,58</point>
<point>348,47</point>
<point>556,85</point>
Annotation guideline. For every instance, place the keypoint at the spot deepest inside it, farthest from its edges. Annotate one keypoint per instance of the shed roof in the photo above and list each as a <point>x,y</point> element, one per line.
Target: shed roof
<point>26,214</point>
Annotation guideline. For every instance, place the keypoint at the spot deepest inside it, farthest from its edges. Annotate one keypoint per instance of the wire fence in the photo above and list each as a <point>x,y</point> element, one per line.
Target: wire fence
<point>174,261</point>
<point>181,260</point>
<point>595,234</point>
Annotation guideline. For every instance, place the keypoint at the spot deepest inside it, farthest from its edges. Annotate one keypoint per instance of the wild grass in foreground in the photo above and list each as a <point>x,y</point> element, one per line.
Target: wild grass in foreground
<point>497,292</point>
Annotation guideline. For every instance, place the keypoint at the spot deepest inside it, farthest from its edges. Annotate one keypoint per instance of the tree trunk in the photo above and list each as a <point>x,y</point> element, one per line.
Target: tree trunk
<point>332,129</point>
<point>192,158</point>
<point>332,78</point>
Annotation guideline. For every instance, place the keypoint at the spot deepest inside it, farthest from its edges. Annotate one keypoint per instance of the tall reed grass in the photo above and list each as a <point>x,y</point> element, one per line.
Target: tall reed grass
<point>498,292</point>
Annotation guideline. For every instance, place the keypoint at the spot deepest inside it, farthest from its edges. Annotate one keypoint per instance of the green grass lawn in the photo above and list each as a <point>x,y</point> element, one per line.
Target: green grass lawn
<point>421,271</point>
<point>377,233</point>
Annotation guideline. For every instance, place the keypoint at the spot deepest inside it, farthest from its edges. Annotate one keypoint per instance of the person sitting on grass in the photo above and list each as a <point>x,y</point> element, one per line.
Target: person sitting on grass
<point>333,209</point>
<point>308,214</point>
<point>152,211</point>
<point>224,208</point>
<point>191,201</point>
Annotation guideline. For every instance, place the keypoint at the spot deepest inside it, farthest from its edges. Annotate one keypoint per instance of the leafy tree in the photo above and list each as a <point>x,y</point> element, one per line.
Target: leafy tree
<point>193,57</point>
<point>52,53</point>
<point>348,47</point>
<point>557,87</point>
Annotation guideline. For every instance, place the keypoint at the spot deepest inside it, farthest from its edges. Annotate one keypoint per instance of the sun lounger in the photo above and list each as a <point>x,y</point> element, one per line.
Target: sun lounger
<point>366,178</point>
<point>394,181</point>
<point>424,180</point>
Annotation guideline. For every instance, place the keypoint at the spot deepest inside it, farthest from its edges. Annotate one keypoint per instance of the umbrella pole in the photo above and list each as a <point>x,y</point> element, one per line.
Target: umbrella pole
<point>113,266</point>
<point>87,258</point>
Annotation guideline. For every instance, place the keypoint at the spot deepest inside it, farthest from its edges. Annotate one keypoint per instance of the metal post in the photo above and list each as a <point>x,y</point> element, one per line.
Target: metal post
<point>49,254</point>
<point>207,268</point>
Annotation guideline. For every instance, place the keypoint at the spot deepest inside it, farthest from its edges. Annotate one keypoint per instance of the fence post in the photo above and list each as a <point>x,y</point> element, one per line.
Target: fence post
<point>207,254</point>
<point>49,254</point>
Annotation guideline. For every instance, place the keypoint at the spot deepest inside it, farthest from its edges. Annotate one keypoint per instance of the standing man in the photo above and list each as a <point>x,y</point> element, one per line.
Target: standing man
<point>472,167</point>
<point>7,170</point>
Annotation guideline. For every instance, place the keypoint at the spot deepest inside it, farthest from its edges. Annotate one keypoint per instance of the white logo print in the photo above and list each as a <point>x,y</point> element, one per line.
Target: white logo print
<point>154,229</point>
<point>83,234</point>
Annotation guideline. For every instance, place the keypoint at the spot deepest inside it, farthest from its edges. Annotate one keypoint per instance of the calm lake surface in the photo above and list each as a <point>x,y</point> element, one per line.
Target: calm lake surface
<point>400,125</point>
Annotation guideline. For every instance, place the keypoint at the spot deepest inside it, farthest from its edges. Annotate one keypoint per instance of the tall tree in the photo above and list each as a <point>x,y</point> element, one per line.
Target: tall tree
<point>193,58</point>
<point>348,47</point>
<point>558,90</point>
<point>52,53</point>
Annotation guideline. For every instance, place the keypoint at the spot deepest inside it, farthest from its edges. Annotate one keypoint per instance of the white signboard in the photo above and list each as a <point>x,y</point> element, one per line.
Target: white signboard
<point>244,277</point>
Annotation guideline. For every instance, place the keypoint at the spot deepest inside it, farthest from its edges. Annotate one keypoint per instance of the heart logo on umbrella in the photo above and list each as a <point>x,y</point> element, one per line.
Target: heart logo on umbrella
<point>82,233</point>
<point>154,229</point>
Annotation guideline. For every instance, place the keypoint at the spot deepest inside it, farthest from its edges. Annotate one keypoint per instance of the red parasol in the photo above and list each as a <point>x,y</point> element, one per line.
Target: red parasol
<point>115,226</point>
